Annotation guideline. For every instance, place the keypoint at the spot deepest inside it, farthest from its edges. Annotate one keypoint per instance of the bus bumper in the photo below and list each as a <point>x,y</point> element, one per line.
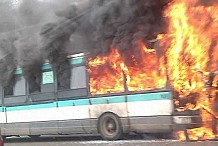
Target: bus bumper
<point>188,119</point>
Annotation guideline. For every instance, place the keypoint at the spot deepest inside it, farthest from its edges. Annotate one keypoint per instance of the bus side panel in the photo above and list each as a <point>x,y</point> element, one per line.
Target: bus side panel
<point>31,113</point>
<point>2,115</point>
<point>15,129</point>
<point>43,128</point>
<point>23,120</point>
<point>73,116</point>
<point>113,104</point>
<point>2,109</point>
<point>79,126</point>
<point>2,120</point>
<point>150,112</point>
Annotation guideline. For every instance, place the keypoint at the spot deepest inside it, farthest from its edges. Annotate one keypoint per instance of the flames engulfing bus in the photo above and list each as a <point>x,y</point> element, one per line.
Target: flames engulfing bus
<point>70,108</point>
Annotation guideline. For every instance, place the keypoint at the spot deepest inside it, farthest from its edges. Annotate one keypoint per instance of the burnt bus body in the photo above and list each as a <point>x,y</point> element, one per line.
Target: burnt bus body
<point>52,109</point>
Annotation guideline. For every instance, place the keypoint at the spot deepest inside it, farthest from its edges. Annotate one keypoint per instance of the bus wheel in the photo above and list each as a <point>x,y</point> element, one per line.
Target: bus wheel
<point>109,126</point>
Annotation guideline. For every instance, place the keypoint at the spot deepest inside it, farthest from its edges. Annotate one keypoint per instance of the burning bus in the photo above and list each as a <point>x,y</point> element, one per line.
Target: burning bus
<point>97,97</point>
<point>139,83</point>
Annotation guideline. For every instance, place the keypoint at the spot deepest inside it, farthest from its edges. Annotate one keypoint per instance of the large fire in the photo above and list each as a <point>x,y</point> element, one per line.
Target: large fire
<point>108,74</point>
<point>189,61</point>
<point>191,44</point>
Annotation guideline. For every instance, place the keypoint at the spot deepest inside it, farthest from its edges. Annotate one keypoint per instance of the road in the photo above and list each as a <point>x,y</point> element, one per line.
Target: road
<point>97,142</point>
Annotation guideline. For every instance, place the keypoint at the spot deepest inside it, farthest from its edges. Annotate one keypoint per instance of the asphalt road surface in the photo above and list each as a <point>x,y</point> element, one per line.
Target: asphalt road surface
<point>69,141</point>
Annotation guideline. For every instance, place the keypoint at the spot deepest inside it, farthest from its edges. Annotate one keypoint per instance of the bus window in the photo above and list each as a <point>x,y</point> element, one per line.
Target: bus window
<point>19,86</point>
<point>48,78</point>
<point>63,75</point>
<point>8,89</point>
<point>34,83</point>
<point>78,77</point>
<point>33,76</point>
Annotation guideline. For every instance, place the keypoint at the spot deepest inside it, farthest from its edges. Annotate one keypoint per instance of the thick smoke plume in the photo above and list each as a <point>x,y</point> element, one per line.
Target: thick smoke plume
<point>103,24</point>
<point>20,38</point>
<point>82,26</point>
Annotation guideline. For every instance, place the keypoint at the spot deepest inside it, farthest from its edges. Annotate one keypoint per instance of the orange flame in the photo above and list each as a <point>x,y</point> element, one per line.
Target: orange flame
<point>190,54</point>
<point>107,73</point>
<point>192,45</point>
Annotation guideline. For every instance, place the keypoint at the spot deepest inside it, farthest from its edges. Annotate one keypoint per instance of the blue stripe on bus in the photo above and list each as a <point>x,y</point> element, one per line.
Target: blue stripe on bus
<point>1,109</point>
<point>30,107</point>
<point>150,96</point>
<point>78,102</point>
<point>95,100</point>
<point>110,99</point>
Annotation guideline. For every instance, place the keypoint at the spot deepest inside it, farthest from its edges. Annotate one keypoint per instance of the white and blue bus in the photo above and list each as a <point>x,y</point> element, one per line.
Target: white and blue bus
<point>48,109</point>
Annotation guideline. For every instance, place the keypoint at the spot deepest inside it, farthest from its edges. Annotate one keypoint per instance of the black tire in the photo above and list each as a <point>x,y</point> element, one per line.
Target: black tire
<point>109,126</point>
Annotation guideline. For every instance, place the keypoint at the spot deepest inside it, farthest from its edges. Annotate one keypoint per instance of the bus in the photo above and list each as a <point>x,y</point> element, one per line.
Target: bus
<point>42,105</point>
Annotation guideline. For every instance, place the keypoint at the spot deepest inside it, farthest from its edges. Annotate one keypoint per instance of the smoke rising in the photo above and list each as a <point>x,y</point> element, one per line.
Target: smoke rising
<point>104,24</point>
<point>7,58</point>
<point>79,26</point>
<point>20,40</point>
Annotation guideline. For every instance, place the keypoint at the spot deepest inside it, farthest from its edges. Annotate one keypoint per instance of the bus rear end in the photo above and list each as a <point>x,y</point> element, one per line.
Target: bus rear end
<point>155,113</point>
<point>144,82</point>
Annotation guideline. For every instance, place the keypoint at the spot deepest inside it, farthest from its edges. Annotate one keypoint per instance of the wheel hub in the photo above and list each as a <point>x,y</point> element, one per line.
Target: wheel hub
<point>110,126</point>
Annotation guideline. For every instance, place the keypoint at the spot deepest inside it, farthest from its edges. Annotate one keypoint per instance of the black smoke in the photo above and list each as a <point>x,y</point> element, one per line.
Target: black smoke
<point>20,39</point>
<point>7,58</point>
<point>103,24</point>
<point>90,26</point>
